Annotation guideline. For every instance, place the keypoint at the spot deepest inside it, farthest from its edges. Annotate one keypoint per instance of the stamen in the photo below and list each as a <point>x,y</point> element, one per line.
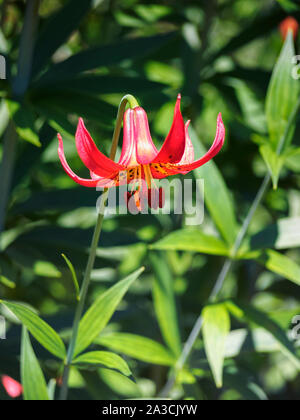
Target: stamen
<point>149,178</point>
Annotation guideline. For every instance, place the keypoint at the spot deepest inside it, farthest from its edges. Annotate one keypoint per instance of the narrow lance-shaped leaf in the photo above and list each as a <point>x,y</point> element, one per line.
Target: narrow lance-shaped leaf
<point>164,302</point>
<point>99,314</point>
<point>193,240</point>
<point>220,205</point>
<point>261,319</point>
<point>73,274</point>
<point>105,55</point>
<point>24,120</point>
<point>216,328</point>
<point>283,234</point>
<point>41,331</point>
<point>107,359</point>
<point>138,347</point>
<point>280,264</point>
<point>57,29</point>
<point>33,380</point>
<point>283,93</point>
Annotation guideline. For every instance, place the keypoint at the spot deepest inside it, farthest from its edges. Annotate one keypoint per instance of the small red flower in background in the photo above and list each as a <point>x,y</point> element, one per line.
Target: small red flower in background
<point>287,24</point>
<point>13,388</point>
<point>140,162</point>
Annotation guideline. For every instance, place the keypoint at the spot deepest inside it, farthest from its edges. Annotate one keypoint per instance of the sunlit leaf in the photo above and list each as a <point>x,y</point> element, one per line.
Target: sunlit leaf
<point>283,93</point>
<point>220,204</point>
<point>24,120</point>
<point>280,264</point>
<point>262,320</point>
<point>164,302</point>
<point>74,276</point>
<point>216,327</point>
<point>103,358</point>
<point>99,314</point>
<point>283,234</point>
<point>41,331</point>
<point>138,347</point>
<point>194,241</point>
<point>6,282</point>
<point>33,380</point>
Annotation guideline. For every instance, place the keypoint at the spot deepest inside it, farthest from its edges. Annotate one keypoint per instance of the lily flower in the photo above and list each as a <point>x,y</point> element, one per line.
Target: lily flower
<point>13,388</point>
<point>140,162</point>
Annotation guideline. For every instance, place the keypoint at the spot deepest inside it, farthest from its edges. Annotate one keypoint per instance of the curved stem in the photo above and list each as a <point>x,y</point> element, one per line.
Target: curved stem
<point>188,347</point>
<point>128,99</point>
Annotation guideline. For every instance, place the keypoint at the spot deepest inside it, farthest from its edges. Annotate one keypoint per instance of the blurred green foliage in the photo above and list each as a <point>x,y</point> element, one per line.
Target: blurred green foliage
<point>220,55</point>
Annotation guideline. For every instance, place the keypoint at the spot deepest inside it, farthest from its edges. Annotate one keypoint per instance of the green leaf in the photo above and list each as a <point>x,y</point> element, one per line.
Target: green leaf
<point>119,384</point>
<point>283,94</point>
<point>57,30</point>
<point>138,347</point>
<point>292,160</point>
<point>216,327</point>
<point>273,161</point>
<point>103,358</point>
<point>46,269</point>
<point>280,264</point>
<point>264,22</point>
<point>74,276</point>
<point>41,331</point>
<point>87,106</point>
<point>192,240</point>
<point>99,314</point>
<point>164,303</point>
<point>24,120</point>
<point>261,319</point>
<point>288,5</point>
<point>6,282</point>
<point>33,380</point>
<point>219,204</point>
<point>283,234</point>
<point>105,55</point>
<point>244,341</point>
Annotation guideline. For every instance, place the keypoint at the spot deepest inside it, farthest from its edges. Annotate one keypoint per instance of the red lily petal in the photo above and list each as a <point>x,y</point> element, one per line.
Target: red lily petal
<point>160,171</point>
<point>174,146</point>
<point>128,155</point>
<point>189,154</point>
<point>213,151</point>
<point>81,181</point>
<point>93,159</point>
<point>145,148</point>
<point>13,388</point>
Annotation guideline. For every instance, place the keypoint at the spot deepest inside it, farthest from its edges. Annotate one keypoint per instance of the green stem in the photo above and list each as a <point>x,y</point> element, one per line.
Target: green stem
<point>128,99</point>
<point>229,263</point>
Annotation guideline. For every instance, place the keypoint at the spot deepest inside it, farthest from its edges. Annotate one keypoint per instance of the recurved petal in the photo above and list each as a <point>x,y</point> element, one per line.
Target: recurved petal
<point>85,182</point>
<point>173,148</point>
<point>91,156</point>
<point>213,151</point>
<point>189,154</point>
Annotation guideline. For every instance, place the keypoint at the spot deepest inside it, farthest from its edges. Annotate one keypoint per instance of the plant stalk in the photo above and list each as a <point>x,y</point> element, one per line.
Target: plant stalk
<point>228,265</point>
<point>128,99</point>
